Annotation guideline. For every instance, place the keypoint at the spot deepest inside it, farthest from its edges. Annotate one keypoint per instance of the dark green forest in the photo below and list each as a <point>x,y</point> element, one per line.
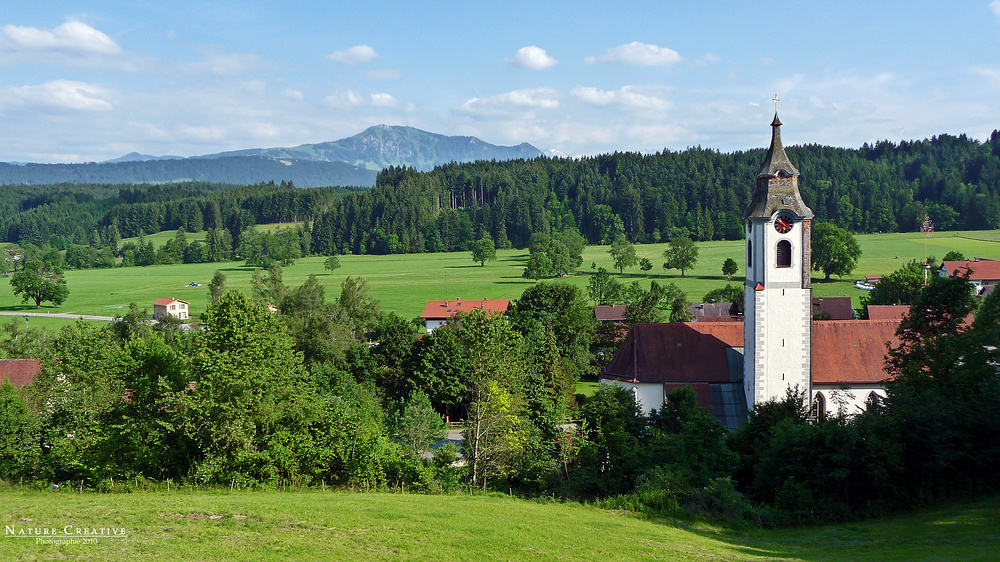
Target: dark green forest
<point>700,193</point>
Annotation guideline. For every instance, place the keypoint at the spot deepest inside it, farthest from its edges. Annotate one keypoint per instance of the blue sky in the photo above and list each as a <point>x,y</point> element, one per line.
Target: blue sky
<point>90,81</point>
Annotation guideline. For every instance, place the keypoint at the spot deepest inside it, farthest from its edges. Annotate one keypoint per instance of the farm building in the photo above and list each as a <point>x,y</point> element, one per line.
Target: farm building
<point>170,307</point>
<point>436,313</point>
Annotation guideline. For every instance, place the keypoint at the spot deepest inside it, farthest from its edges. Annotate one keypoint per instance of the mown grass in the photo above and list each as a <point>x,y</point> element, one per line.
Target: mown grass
<point>315,525</point>
<point>404,283</point>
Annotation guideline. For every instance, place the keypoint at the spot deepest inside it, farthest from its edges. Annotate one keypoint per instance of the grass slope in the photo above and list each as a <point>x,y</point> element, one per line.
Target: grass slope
<point>404,283</point>
<point>313,525</point>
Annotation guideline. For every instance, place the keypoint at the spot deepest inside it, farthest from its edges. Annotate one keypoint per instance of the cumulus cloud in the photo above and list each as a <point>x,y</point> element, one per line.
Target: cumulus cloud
<point>353,55</point>
<point>514,101</point>
<point>638,54</point>
<point>532,57</point>
<point>382,99</point>
<point>58,94</point>
<point>344,99</point>
<point>995,7</point>
<point>628,96</point>
<point>72,36</point>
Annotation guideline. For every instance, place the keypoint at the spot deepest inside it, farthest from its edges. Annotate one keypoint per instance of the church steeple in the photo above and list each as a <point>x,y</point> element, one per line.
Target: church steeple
<point>777,182</point>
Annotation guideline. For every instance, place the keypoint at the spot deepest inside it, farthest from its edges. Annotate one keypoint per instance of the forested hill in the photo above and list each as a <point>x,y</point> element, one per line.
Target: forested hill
<point>233,169</point>
<point>884,187</point>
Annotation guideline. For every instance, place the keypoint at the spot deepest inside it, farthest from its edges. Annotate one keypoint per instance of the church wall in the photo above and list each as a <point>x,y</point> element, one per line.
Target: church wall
<point>784,341</point>
<point>647,395</point>
<point>854,398</point>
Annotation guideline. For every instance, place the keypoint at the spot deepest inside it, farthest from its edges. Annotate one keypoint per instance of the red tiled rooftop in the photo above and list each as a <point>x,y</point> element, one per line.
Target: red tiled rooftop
<point>851,351</point>
<point>839,308</point>
<point>887,311</point>
<point>610,313</point>
<point>167,301</point>
<point>982,269</point>
<point>442,310</point>
<point>20,372</point>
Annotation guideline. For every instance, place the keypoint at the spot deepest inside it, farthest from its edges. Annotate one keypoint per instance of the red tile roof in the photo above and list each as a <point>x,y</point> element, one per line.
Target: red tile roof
<point>610,313</point>
<point>982,268</point>
<point>167,301</point>
<point>718,318</point>
<point>676,352</point>
<point>839,308</point>
<point>442,310</point>
<point>887,311</point>
<point>20,372</point>
<point>850,351</point>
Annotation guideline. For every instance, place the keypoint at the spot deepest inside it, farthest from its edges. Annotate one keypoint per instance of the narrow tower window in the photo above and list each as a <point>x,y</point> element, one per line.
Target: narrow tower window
<point>749,255</point>
<point>784,253</point>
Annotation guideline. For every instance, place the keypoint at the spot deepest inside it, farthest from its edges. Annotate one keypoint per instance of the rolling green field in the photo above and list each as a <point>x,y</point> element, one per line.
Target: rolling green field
<point>404,283</point>
<point>315,525</point>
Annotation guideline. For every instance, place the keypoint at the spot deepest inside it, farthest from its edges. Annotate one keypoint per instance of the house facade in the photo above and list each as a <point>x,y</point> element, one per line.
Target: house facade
<point>983,273</point>
<point>437,313</point>
<point>170,307</point>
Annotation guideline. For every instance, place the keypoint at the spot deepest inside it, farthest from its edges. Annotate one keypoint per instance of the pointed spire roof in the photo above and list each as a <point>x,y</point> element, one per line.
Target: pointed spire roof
<point>777,182</point>
<point>776,159</point>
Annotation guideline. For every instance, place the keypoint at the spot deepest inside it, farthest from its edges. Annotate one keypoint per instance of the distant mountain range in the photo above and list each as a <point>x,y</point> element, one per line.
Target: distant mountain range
<point>351,161</point>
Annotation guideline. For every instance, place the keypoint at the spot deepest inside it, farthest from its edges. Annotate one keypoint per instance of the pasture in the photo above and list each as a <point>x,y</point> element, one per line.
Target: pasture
<point>325,525</point>
<point>405,282</point>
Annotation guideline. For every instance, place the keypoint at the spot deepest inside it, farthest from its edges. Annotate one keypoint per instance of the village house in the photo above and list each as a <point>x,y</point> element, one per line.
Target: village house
<point>170,307</point>
<point>610,313</point>
<point>983,273</point>
<point>437,313</point>
<point>780,345</point>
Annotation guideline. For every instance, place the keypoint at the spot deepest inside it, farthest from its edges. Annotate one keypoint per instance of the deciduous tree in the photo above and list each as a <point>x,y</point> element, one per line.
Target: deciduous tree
<point>40,281</point>
<point>483,251</point>
<point>682,254</point>
<point>834,250</point>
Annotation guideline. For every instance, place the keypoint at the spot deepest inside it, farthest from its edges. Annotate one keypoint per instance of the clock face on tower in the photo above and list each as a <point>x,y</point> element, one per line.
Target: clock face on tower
<point>783,223</point>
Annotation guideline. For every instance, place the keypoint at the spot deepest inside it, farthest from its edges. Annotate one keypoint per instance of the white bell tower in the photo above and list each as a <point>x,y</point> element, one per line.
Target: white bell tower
<point>778,293</point>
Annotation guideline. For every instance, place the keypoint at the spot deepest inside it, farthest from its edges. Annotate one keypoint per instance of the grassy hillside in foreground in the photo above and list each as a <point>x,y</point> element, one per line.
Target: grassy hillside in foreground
<point>315,525</point>
<point>405,282</point>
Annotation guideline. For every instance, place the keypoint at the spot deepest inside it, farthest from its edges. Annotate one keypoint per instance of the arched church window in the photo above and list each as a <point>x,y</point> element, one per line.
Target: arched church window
<point>818,405</point>
<point>749,255</point>
<point>872,400</point>
<point>784,253</point>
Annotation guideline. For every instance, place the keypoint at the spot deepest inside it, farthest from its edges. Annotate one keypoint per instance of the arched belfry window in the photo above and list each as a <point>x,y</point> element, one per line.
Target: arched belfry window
<point>784,254</point>
<point>749,254</point>
<point>818,405</point>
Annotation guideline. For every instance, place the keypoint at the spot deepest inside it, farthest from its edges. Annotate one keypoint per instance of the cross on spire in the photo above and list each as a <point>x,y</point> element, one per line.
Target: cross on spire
<point>776,100</point>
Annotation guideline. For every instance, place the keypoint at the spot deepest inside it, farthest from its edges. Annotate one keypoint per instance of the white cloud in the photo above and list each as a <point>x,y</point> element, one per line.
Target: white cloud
<point>72,36</point>
<point>383,99</point>
<point>705,60</point>
<point>532,57</point>
<point>628,96</point>
<point>292,94</point>
<point>995,7</point>
<point>58,94</point>
<point>354,55</point>
<point>638,54</point>
<point>344,99</point>
<point>514,101</point>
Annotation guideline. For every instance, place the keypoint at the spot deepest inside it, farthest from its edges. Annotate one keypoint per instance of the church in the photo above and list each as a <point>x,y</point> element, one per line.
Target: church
<point>734,365</point>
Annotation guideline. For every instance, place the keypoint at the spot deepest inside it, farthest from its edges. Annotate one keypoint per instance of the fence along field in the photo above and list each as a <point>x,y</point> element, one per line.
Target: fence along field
<point>405,282</point>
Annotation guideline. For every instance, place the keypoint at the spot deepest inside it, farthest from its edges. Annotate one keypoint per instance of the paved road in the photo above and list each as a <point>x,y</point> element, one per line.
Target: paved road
<point>60,315</point>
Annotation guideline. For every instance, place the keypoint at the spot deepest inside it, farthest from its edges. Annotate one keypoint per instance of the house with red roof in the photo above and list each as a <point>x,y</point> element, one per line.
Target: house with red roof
<point>437,313</point>
<point>20,372</point>
<point>982,272</point>
<point>170,307</point>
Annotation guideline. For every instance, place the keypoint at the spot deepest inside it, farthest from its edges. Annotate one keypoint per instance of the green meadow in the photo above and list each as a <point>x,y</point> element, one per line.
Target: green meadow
<point>405,282</point>
<point>317,525</point>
